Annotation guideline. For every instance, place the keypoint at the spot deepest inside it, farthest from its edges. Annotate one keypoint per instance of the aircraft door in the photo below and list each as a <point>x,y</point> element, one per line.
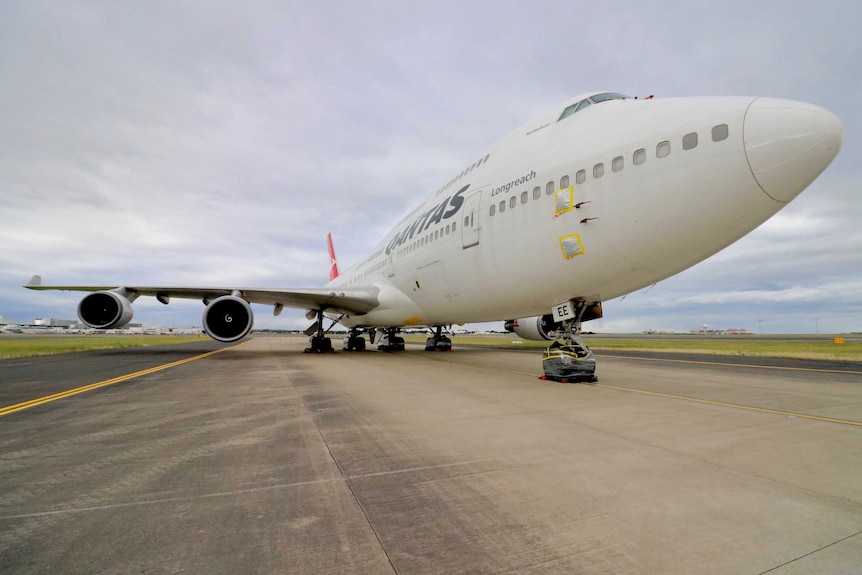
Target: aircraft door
<point>471,220</point>
<point>390,266</point>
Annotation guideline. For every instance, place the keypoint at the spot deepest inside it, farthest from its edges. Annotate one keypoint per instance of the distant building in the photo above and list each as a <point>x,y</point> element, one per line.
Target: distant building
<point>71,323</point>
<point>52,322</point>
<point>732,331</point>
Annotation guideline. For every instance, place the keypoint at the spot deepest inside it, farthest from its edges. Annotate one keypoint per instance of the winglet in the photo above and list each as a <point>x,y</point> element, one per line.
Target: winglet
<point>36,280</point>
<point>333,264</point>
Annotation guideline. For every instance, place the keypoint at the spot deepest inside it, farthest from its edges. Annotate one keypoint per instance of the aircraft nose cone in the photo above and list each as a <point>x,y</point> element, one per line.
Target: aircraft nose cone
<point>788,144</point>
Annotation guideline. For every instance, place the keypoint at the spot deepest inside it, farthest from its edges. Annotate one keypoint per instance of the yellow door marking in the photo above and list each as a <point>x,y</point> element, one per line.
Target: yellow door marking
<point>571,246</point>
<point>70,392</point>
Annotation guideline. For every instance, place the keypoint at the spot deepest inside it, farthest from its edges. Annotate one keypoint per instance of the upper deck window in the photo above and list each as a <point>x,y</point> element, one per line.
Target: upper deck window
<point>719,133</point>
<point>595,99</point>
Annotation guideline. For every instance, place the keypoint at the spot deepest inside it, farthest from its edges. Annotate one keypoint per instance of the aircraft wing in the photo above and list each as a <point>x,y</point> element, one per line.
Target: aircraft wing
<point>352,301</point>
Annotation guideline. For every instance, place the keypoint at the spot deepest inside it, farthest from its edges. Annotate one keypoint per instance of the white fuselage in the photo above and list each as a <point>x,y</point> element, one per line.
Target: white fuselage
<point>659,186</point>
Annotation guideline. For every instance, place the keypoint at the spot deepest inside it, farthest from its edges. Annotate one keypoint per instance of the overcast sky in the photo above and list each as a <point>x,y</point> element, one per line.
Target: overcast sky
<point>217,142</point>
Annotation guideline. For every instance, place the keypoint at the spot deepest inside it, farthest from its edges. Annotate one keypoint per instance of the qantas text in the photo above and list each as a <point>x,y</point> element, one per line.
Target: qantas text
<point>433,216</point>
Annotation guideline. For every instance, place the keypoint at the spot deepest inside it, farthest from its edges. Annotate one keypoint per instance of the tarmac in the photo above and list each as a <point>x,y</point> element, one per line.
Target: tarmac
<point>261,459</point>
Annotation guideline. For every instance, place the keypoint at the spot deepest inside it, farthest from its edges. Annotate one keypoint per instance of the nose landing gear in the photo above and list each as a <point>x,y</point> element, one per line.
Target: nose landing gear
<point>570,360</point>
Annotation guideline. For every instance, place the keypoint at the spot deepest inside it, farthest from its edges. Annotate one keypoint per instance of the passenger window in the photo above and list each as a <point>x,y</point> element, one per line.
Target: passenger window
<point>524,197</point>
<point>493,209</point>
<point>617,164</point>
<point>502,207</point>
<point>454,225</point>
<point>447,229</point>
<point>598,170</point>
<point>662,150</point>
<point>639,157</point>
<point>436,234</point>
<point>719,132</point>
<point>564,182</point>
<point>689,141</point>
<point>549,188</point>
<point>581,176</point>
<point>467,220</point>
<point>512,201</point>
<point>537,192</point>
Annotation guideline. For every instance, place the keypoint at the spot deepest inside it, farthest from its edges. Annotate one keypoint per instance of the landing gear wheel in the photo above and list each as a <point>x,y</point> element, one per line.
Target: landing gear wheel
<point>569,363</point>
<point>391,341</point>
<point>319,344</point>
<point>438,341</point>
<point>354,343</point>
<point>441,343</point>
<point>570,360</point>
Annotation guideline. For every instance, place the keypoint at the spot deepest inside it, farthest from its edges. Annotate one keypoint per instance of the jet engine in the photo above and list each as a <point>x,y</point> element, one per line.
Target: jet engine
<point>541,328</point>
<point>228,318</point>
<point>105,309</point>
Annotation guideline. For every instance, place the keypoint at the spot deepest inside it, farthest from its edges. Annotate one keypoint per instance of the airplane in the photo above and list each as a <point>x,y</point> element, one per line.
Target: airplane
<point>598,197</point>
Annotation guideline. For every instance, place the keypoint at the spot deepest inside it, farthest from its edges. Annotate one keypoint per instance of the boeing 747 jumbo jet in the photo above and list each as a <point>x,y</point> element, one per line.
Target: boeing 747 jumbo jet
<point>599,197</point>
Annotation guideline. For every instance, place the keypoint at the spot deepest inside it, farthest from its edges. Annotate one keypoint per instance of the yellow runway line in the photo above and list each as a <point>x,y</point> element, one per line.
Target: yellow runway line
<point>686,398</point>
<point>733,405</point>
<point>70,392</point>
<point>704,362</point>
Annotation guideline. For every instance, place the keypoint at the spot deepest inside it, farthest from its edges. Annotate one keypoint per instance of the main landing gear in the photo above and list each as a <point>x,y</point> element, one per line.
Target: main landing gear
<point>570,360</point>
<point>319,343</point>
<point>391,341</point>
<point>438,341</point>
<point>354,341</point>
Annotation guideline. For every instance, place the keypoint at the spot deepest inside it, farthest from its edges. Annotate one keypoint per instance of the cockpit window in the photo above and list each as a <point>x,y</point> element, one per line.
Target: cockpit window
<point>568,111</point>
<point>603,97</point>
<point>607,96</point>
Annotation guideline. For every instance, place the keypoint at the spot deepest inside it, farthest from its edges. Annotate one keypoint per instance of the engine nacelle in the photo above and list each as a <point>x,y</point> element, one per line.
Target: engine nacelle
<point>228,318</point>
<point>105,310</point>
<point>541,328</point>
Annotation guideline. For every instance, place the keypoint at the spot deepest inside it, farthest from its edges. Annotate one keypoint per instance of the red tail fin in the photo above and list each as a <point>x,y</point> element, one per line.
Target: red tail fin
<point>333,264</point>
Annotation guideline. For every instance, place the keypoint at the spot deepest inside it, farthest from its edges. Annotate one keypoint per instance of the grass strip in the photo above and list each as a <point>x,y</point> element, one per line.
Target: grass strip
<point>16,347</point>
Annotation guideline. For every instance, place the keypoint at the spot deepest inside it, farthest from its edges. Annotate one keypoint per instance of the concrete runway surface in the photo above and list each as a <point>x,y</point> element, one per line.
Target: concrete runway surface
<point>261,459</point>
